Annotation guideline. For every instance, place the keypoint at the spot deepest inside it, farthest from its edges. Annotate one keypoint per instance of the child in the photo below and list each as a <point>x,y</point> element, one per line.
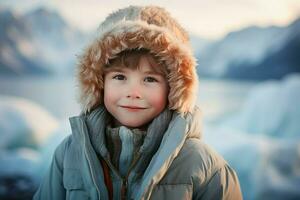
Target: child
<point>138,136</point>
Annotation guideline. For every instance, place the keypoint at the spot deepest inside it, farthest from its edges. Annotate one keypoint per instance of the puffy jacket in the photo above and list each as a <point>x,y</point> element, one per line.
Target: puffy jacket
<point>183,167</point>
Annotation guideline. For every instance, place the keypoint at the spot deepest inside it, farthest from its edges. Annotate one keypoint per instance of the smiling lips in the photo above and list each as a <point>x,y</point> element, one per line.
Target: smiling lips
<point>133,108</point>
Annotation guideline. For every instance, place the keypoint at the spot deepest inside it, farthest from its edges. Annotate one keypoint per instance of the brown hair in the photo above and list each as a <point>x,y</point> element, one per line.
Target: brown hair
<point>131,58</point>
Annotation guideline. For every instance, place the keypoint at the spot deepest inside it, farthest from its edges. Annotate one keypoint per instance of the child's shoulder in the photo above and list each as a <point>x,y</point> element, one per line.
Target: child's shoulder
<point>65,143</point>
<point>64,147</point>
<point>199,157</point>
<point>196,164</point>
<point>67,152</point>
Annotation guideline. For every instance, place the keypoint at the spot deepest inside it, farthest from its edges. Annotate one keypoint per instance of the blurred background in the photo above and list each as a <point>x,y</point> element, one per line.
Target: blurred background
<point>248,55</point>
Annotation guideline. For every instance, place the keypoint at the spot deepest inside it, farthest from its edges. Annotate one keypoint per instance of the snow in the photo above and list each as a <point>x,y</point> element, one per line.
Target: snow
<point>23,123</point>
<point>26,48</point>
<point>272,108</point>
<point>40,38</point>
<point>7,55</point>
<point>21,161</point>
<point>261,142</point>
<point>28,138</point>
<point>263,164</point>
<point>217,99</point>
<point>249,45</point>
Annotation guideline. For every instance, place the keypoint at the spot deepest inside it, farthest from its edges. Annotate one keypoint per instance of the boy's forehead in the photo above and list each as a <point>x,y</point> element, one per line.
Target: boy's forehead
<point>144,62</point>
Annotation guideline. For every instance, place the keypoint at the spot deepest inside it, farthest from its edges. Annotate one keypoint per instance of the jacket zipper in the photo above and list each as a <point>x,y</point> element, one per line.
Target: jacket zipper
<point>124,189</point>
<point>125,181</point>
<point>124,186</point>
<point>89,163</point>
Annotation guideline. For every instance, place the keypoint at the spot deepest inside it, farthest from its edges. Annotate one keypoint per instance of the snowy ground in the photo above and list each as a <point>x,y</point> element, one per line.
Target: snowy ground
<point>261,141</point>
<point>254,126</point>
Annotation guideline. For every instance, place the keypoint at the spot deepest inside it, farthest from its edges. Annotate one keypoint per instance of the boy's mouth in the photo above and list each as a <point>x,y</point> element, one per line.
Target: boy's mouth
<point>133,107</point>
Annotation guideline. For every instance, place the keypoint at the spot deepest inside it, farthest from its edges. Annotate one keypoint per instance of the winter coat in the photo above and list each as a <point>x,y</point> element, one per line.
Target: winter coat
<point>183,167</point>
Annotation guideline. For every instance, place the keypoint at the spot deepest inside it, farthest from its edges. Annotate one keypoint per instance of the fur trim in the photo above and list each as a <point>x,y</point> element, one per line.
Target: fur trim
<point>136,27</point>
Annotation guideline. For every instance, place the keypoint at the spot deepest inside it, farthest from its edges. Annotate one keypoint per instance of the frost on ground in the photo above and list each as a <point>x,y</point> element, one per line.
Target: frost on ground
<point>29,135</point>
<point>262,141</point>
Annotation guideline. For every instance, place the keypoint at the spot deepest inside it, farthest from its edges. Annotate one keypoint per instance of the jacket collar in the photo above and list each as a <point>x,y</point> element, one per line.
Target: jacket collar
<point>91,127</point>
<point>171,143</point>
<point>178,130</point>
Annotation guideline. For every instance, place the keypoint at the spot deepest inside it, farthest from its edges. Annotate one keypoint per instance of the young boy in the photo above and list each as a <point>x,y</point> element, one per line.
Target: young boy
<point>138,136</point>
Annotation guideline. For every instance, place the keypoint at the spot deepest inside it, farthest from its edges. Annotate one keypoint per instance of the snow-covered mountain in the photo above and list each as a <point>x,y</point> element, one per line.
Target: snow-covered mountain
<point>282,60</point>
<point>253,53</point>
<point>199,44</point>
<point>17,54</point>
<point>39,42</point>
<point>42,42</point>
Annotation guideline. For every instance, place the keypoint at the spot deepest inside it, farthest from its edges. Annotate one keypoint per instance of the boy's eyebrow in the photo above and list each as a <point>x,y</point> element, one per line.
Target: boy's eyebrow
<point>149,72</point>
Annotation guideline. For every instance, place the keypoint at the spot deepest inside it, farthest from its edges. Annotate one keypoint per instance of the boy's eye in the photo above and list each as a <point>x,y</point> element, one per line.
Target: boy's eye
<point>119,77</point>
<point>150,79</point>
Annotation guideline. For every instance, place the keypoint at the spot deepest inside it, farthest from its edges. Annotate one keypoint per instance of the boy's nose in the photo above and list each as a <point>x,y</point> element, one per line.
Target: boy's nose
<point>134,93</point>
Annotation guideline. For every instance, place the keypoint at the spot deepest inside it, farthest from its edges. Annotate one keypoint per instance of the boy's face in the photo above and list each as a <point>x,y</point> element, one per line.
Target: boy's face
<point>135,96</point>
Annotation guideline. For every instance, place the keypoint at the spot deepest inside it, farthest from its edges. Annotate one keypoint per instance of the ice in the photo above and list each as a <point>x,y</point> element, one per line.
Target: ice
<point>29,136</point>
<point>261,142</point>
<point>24,123</point>
<point>22,161</point>
<point>263,164</point>
<point>272,108</point>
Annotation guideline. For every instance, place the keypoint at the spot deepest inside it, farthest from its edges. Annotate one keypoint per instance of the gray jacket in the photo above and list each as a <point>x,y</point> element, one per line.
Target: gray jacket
<point>183,167</point>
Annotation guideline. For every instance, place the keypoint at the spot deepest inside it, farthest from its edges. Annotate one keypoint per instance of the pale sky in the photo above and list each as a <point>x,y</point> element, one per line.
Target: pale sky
<point>207,18</point>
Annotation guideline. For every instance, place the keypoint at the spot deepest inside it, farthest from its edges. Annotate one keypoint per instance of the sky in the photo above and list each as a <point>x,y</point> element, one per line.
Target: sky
<point>209,19</point>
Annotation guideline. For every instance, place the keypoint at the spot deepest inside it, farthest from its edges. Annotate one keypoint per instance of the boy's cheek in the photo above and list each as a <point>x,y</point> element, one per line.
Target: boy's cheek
<point>159,102</point>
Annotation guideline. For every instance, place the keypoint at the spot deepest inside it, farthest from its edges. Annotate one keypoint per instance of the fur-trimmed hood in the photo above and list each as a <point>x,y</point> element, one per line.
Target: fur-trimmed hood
<point>147,27</point>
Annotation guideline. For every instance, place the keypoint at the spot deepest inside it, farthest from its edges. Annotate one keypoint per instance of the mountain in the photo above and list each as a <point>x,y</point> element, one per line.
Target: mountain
<point>199,44</point>
<point>41,42</point>
<point>16,52</point>
<point>275,65</point>
<point>252,53</point>
<point>38,42</point>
